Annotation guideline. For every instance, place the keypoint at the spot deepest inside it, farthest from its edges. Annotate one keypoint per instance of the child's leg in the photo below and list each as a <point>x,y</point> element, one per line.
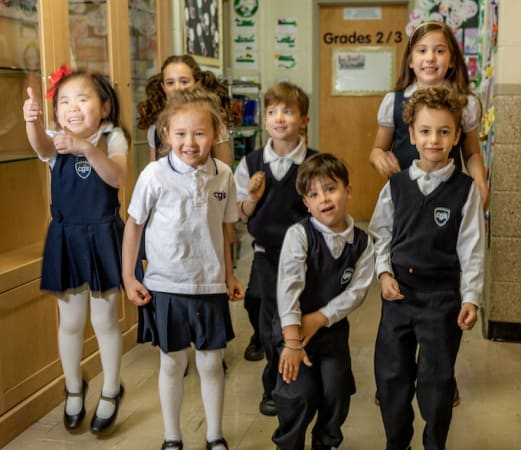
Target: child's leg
<point>104,319</point>
<point>171,380</point>
<point>395,371</point>
<point>338,385</point>
<point>209,365</point>
<point>73,315</point>
<point>439,337</point>
<point>296,403</point>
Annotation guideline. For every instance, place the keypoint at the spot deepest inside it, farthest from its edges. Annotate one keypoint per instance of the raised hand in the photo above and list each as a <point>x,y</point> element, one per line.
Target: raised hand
<point>32,107</point>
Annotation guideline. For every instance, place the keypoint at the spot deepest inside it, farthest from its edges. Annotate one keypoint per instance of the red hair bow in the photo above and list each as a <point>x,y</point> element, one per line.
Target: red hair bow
<point>56,76</point>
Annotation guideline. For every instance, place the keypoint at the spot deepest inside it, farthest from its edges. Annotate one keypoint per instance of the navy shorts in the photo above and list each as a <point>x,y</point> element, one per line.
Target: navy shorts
<point>173,321</point>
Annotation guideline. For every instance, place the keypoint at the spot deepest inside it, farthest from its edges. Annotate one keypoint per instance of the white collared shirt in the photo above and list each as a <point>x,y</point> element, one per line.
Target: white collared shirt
<point>184,209</point>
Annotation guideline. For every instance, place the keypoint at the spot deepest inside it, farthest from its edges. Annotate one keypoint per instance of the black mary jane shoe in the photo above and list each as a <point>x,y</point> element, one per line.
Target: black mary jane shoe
<point>212,444</point>
<point>73,421</point>
<point>172,444</point>
<point>99,424</point>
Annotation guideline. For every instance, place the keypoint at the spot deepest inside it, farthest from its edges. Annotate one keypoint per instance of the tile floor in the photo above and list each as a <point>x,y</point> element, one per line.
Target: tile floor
<point>488,418</point>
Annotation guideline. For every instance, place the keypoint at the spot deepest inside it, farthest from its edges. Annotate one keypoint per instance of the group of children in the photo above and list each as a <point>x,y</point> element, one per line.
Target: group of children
<point>313,266</point>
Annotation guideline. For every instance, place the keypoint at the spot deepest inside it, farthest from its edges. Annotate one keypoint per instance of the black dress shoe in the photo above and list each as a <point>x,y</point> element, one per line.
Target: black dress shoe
<point>267,407</point>
<point>211,445</point>
<point>99,424</point>
<point>172,444</point>
<point>72,421</point>
<point>254,350</point>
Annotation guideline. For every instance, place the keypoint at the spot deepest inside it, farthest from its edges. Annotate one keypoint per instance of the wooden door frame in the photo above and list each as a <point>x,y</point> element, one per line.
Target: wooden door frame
<point>315,29</point>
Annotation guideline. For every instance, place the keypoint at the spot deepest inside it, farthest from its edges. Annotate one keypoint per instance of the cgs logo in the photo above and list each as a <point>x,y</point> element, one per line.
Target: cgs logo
<point>220,195</point>
<point>83,168</point>
<point>346,276</point>
<point>441,216</point>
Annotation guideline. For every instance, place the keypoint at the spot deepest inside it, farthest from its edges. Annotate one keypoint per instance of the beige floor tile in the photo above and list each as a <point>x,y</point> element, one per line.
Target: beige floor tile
<point>488,418</point>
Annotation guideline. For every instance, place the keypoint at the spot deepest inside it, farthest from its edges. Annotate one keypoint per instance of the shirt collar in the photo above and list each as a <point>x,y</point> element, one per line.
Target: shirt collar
<point>180,166</point>
<point>297,155</point>
<point>411,89</point>
<point>415,172</point>
<point>347,235</point>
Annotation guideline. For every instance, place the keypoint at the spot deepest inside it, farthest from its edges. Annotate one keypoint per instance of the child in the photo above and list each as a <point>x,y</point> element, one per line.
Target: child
<point>181,72</point>
<point>87,157</point>
<point>269,201</point>
<point>185,199</point>
<point>429,246</point>
<point>432,58</point>
<point>325,269</point>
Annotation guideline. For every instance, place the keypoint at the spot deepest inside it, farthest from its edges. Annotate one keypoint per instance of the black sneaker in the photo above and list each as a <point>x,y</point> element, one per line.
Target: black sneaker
<point>254,351</point>
<point>267,407</point>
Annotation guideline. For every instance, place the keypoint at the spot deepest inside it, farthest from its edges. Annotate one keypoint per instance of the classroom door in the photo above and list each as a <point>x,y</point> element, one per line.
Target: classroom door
<point>366,38</point>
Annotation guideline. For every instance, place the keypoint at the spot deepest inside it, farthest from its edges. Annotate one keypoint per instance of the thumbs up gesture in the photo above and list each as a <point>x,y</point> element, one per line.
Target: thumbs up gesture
<point>32,107</point>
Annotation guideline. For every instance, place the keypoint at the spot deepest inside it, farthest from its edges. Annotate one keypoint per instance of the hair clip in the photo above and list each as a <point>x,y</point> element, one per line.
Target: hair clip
<point>55,77</point>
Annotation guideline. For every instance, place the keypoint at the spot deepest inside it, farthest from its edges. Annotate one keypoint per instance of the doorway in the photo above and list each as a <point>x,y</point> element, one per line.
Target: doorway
<point>374,39</point>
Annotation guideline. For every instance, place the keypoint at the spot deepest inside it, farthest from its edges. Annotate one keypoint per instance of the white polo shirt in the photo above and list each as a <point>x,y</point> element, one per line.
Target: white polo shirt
<point>186,209</point>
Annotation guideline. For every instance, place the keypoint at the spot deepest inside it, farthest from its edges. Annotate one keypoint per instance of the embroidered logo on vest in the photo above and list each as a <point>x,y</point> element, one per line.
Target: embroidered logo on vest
<point>83,168</point>
<point>220,195</point>
<point>346,276</point>
<point>441,216</point>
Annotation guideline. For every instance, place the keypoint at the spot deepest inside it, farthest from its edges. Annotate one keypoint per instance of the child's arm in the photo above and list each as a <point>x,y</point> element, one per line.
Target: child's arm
<point>41,143</point>
<point>136,292</point>
<point>292,355</point>
<point>381,156</point>
<point>111,170</point>
<point>471,254</point>
<point>235,289</point>
<point>475,165</point>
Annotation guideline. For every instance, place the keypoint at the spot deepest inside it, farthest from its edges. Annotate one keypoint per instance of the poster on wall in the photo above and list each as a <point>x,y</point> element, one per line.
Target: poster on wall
<point>362,70</point>
<point>245,37</point>
<point>203,30</point>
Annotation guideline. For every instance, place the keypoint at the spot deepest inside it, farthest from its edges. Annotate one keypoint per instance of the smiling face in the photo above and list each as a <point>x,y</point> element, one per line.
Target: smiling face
<point>78,107</point>
<point>434,132</point>
<point>177,76</point>
<point>190,133</point>
<point>284,122</point>
<point>431,59</point>
<point>326,200</point>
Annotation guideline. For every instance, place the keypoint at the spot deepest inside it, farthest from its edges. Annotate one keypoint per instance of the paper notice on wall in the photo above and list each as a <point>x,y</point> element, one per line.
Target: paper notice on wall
<point>285,42</point>
<point>285,61</point>
<point>245,47</point>
<point>246,61</point>
<point>286,25</point>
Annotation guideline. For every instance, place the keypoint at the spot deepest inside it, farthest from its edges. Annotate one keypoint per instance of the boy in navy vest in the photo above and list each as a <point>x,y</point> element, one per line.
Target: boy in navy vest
<point>325,269</point>
<point>268,200</point>
<point>429,246</point>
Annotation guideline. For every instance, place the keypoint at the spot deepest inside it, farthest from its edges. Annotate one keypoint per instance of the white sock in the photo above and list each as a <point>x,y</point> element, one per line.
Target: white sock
<point>171,384</point>
<point>210,366</point>
<point>104,319</point>
<point>72,307</point>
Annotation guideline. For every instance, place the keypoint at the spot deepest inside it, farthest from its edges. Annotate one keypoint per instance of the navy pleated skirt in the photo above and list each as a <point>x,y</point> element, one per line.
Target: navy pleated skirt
<point>173,321</point>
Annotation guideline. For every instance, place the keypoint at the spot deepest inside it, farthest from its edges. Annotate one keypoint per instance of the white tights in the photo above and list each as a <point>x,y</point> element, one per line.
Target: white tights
<point>104,319</point>
<point>171,380</point>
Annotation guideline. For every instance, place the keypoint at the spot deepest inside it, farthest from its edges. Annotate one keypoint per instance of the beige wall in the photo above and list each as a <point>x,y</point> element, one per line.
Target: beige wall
<point>508,63</point>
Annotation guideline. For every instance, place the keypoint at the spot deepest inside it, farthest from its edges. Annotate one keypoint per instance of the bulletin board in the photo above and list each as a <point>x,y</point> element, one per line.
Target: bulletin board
<point>362,70</point>
<point>203,31</point>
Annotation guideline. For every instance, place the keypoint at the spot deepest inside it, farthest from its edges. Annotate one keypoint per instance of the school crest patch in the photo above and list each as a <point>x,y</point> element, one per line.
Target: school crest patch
<point>441,216</point>
<point>83,168</point>
<point>346,276</point>
<point>220,195</point>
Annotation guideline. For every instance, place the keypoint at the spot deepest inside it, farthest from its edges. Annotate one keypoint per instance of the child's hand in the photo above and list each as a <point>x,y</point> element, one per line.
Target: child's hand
<point>310,324</point>
<point>137,293</point>
<point>390,287</point>
<point>467,316</point>
<point>289,363</point>
<point>257,185</point>
<point>235,289</point>
<point>66,143</point>
<point>32,107</point>
<point>385,163</point>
